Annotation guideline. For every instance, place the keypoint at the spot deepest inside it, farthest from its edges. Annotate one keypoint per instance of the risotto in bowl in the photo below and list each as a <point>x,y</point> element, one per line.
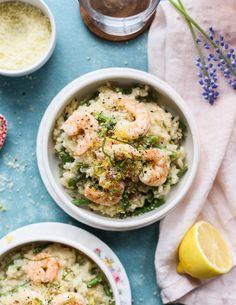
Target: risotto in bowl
<point>121,149</point>
<point>45,272</point>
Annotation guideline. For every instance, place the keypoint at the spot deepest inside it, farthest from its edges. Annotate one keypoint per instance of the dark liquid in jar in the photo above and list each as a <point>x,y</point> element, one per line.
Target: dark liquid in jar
<point>119,8</point>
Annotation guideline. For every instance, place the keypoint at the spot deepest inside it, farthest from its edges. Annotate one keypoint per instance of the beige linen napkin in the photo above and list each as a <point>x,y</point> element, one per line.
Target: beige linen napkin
<point>213,194</point>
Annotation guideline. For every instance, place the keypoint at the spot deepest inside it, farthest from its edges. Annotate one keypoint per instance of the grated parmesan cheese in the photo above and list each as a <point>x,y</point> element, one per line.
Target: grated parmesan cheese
<point>25,35</point>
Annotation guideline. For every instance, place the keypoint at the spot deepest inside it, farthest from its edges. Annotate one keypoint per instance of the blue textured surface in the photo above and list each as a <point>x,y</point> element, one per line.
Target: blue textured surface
<point>23,102</point>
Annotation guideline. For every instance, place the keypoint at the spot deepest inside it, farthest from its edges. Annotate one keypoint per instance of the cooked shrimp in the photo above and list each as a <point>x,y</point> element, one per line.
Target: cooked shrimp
<point>155,172</point>
<point>85,127</point>
<point>131,130</point>
<point>112,190</point>
<point>68,298</point>
<point>123,151</point>
<point>107,196</point>
<point>43,269</point>
<point>27,298</point>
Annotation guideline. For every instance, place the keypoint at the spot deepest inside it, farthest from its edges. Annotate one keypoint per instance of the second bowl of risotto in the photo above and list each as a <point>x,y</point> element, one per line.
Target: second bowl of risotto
<point>48,272</point>
<point>117,149</point>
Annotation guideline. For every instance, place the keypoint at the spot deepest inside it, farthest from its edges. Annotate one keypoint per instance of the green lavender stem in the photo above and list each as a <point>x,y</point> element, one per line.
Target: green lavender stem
<point>199,50</point>
<point>180,8</point>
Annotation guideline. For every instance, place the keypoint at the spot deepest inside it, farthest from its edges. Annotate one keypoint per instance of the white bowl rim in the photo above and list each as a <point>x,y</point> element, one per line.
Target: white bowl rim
<point>46,56</point>
<point>42,148</point>
<point>75,245</point>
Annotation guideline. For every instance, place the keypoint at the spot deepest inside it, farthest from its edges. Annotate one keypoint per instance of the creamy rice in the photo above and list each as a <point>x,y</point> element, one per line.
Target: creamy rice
<point>166,132</point>
<point>77,274</point>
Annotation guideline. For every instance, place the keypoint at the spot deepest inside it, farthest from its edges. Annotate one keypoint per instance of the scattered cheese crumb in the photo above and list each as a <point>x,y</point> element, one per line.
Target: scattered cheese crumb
<point>12,162</point>
<point>9,238</point>
<point>5,183</point>
<point>2,208</point>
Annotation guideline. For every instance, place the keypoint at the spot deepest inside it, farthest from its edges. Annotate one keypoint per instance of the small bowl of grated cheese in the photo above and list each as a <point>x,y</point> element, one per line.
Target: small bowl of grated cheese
<point>27,36</point>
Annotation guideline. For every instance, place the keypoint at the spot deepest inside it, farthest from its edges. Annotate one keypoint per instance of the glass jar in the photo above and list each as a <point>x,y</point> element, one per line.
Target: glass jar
<point>120,17</point>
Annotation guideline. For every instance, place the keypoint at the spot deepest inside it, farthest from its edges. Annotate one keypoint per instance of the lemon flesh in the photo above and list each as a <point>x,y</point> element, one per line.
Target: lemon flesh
<point>203,253</point>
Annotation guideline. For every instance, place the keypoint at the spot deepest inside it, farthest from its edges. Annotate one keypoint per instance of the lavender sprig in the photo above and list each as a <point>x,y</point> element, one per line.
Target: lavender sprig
<point>227,67</point>
<point>207,80</point>
<point>222,55</point>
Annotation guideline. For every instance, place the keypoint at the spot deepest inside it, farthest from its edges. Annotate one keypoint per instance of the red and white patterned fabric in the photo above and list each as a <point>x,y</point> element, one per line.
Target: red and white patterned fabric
<point>3,130</point>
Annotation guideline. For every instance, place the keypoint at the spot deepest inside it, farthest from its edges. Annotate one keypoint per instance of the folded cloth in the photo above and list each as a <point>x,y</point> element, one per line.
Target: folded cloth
<point>212,197</point>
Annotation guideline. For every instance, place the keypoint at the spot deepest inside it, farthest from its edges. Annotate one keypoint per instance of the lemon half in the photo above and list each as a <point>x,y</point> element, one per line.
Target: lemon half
<point>203,253</point>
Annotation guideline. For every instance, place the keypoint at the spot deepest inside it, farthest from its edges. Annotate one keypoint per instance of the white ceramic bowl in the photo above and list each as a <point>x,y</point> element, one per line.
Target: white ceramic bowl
<point>48,162</point>
<point>16,244</point>
<point>37,65</point>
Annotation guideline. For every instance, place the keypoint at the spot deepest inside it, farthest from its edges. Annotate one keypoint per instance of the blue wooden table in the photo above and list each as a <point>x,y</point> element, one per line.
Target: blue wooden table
<point>23,102</point>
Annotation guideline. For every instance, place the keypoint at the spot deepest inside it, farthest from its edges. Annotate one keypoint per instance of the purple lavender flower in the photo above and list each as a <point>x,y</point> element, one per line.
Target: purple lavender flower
<point>207,80</point>
<point>222,54</point>
<point>214,55</point>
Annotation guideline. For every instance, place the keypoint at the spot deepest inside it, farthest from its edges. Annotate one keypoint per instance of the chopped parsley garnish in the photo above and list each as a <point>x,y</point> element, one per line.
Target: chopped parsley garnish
<point>182,126</point>
<point>173,155</point>
<point>11,262</point>
<point>95,281</point>
<point>38,249</point>
<point>80,260</point>
<point>99,279</point>
<point>149,141</point>
<point>82,202</point>
<point>106,123</point>
<point>65,157</point>
<point>86,100</point>
<point>152,96</point>
<point>72,183</point>
<point>150,204</point>
<point>182,171</point>
<point>103,150</point>
<point>124,204</point>
<point>126,90</point>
